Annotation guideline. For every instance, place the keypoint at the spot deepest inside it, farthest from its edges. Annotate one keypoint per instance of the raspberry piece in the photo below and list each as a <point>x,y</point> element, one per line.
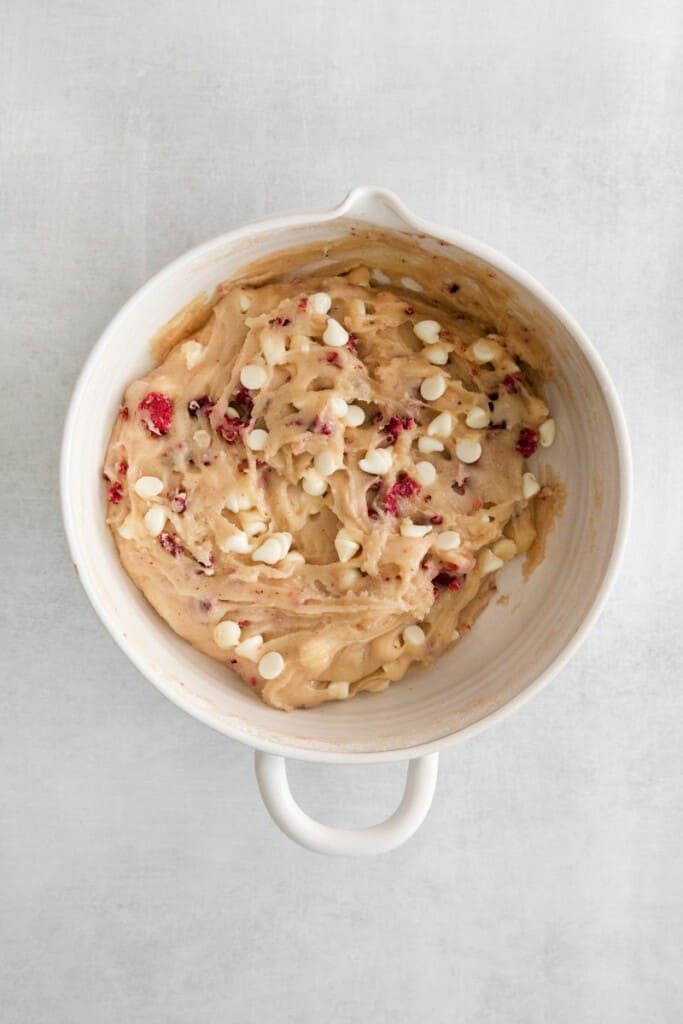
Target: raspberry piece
<point>332,357</point>
<point>436,520</point>
<point>352,343</point>
<point>447,580</point>
<point>230,429</point>
<point>203,405</point>
<point>156,412</point>
<point>397,424</point>
<point>302,303</point>
<point>123,413</point>
<point>170,543</point>
<point>122,468</point>
<point>527,442</point>
<point>178,502</point>
<point>319,426</point>
<point>404,487</point>
<point>511,384</point>
<point>115,493</point>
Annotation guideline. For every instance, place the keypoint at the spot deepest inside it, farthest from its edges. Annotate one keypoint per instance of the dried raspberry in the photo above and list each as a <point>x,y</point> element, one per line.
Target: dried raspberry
<point>446,579</point>
<point>281,321</point>
<point>302,303</point>
<point>352,343</point>
<point>115,493</point>
<point>527,442</point>
<point>511,384</point>
<point>178,502</point>
<point>229,429</point>
<point>243,623</point>
<point>332,357</point>
<point>170,543</point>
<point>319,426</point>
<point>202,405</point>
<point>404,487</point>
<point>243,403</point>
<point>123,413</point>
<point>436,520</point>
<point>122,468</point>
<point>395,425</point>
<point>156,412</point>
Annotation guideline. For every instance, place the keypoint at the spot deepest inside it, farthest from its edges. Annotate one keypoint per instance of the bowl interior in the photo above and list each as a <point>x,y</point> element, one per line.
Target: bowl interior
<point>513,646</point>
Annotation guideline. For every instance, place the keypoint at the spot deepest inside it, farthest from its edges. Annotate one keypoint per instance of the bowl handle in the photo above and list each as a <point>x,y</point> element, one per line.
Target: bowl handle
<point>271,775</point>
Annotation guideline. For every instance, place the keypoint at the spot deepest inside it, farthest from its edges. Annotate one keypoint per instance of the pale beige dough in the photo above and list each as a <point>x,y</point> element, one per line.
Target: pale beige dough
<point>331,621</point>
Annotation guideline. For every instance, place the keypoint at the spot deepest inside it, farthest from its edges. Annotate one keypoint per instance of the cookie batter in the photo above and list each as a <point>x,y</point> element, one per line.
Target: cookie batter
<point>317,486</point>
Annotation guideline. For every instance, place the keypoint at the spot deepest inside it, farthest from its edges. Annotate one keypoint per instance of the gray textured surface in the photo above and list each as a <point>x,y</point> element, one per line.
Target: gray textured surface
<point>141,880</point>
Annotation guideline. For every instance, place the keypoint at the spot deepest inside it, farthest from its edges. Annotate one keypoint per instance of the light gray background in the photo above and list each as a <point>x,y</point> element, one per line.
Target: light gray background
<point>141,879</point>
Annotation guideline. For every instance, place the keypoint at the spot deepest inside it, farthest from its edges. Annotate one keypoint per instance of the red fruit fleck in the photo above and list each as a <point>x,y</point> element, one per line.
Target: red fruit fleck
<point>204,405</point>
<point>373,513</point>
<point>303,303</point>
<point>243,623</point>
<point>252,681</point>
<point>123,413</point>
<point>527,442</point>
<point>115,493</point>
<point>170,543</point>
<point>446,579</point>
<point>332,357</point>
<point>375,485</point>
<point>122,468</point>
<point>477,503</point>
<point>156,412</point>
<point>281,321</point>
<point>319,426</point>
<point>178,502</point>
<point>409,311</point>
<point>436,592</point>
<point>436,520</point>
<point>511,384</point>
<point>397,424</point>
<point>352,343</point>
<point>243,403</point>
<point>229,429</point>
<point>404,487</point>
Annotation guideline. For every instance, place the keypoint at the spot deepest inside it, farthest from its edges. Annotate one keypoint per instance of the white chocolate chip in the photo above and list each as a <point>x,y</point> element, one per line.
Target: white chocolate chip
<point>413,636</point>
<point>270,552</point>
<point>237,542</point>
<point>355,416</point>
<point>409,529</point>
<point>449,540</point>
<point>227,634</point>
<point>505,548</point>
<point>257,440</point>
<point>348,577</point>
<point>477,418</point>
<point>284,539</point>
<point>245,302</point>
<point>148,486</point>
<point>155,520</point>
<point>427,331</point>
<point>339,406</point>
<point>437,355</point>
<point>273,349</point>
<point>253,377</point>
<point>334,334</point>
<point>338,691</point>
<point>441,425</point>
<point>345,546</point>
<point>467,450</point>
<point>253,524</point>
<point>425,473</point>
<point>433,387</point>
<point>546,433</point>
<point>202,438</point>
<point>127,528</point>
<point>271,665</point>
<point>379,276</point>
<point>412,284</point>
<point>320,303</point>
<point>485,351</point>
<point>326,463</point>
<point>300,343</point>
<point>427,445</point>
<point>250,647</point>
<point>313,483</point>
<point>193,352</point>
<point>377,462</point>
<point>232,413</point>
<point>488,562</point>
<point>235,502</point>
<point>294,558</point>
<point>530,485</point>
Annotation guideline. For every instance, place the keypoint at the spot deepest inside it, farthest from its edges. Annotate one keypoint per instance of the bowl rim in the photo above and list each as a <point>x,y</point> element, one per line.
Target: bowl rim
<point>356,198</point>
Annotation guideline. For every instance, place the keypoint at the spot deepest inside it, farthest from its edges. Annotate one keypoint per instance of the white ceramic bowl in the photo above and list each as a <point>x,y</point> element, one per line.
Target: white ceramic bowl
<point>514,649</point>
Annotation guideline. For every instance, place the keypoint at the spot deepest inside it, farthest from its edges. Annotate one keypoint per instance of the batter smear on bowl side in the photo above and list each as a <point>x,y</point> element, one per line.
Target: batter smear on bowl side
<point>320,479</point>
